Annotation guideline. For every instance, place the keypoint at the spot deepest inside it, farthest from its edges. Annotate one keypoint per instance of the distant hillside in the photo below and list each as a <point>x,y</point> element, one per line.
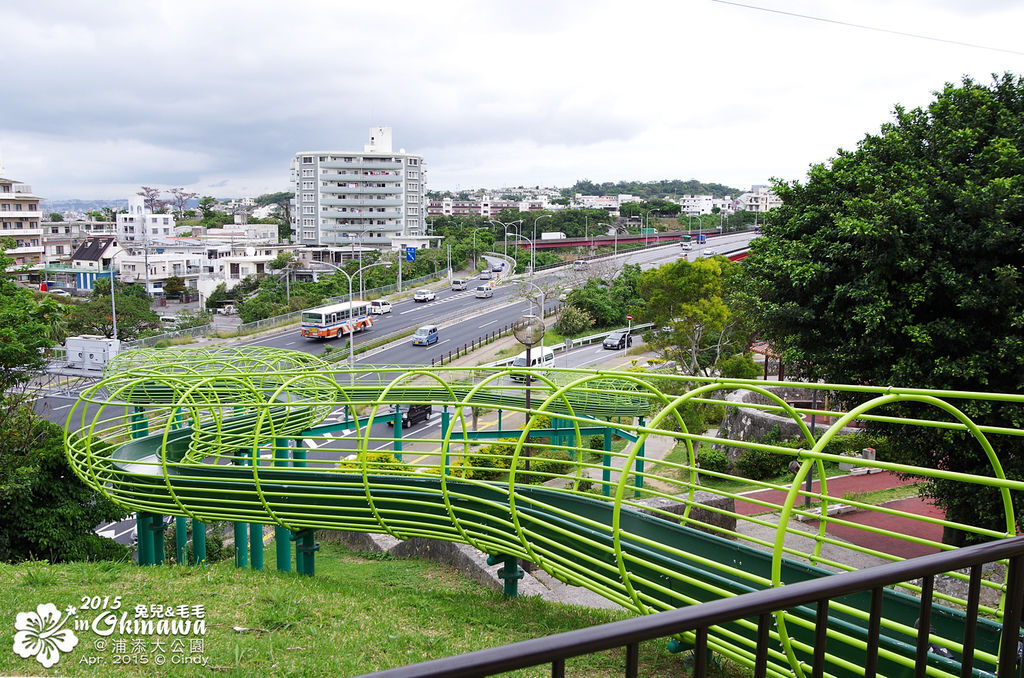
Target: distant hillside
<point>651,189</point>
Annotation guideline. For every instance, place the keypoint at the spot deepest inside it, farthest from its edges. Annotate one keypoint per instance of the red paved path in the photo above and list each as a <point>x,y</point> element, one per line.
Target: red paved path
<point>838,486</point>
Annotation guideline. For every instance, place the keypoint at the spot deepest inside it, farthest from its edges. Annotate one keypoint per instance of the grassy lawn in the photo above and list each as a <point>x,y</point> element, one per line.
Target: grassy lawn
<point>359,613</point>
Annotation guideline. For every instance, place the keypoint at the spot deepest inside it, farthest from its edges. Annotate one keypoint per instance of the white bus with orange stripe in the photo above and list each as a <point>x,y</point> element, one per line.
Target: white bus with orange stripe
<point>328,322</point>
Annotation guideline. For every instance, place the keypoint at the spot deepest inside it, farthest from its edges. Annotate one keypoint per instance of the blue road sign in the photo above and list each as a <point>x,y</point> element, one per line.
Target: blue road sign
<point>410,254</point>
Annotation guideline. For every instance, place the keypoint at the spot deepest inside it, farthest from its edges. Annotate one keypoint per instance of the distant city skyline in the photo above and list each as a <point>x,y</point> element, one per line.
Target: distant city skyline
<point>217,97</point>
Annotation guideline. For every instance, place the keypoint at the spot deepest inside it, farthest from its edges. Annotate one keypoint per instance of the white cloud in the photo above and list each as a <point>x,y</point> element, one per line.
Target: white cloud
<point>103,97</point>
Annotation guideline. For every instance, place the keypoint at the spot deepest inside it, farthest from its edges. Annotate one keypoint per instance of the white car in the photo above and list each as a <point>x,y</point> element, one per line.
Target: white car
<point>60,293</point>
<point>424,295</point>
<point>484,292</point>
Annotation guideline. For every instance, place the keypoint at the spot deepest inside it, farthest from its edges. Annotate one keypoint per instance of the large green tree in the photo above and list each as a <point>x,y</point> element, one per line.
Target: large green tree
<point>696,326</point>
<point>46,511</point>
<point>901,262</point>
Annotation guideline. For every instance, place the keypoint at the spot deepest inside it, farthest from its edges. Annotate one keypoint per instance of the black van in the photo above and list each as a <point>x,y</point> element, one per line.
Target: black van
<point>413,414</point>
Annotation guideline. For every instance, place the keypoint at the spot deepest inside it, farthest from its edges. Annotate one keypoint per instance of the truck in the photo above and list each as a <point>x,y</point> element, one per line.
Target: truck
<point>701,239</point>
<point>552,235</point>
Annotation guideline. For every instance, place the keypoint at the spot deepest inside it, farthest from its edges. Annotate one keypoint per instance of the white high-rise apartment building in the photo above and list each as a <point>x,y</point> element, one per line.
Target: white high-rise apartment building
<point>358,198</point>
<point>21,219</point>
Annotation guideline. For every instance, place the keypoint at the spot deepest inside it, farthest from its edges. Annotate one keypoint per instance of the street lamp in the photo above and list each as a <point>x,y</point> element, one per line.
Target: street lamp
<point>478,228</point>
<point>351,338</point>
<point>506,227</point>
<point>515,259</point>
<point>533,255</point>
<point>113,307</point>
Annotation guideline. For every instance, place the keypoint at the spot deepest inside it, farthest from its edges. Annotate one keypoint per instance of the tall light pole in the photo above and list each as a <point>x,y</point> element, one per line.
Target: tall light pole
<point>113,307</point>
<point>506,227</point>
<point>513,248</point>
<point>478,228</point>
<point>351,338</point>
<point>541,314</point>
<point>533,256</point>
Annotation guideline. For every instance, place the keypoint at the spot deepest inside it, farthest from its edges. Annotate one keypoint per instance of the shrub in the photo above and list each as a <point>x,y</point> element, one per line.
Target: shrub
<point>711,459</point>
<point>761,464</point>
<point>596,442</point>
<point>550,463</point>
<point>571,321</point>
<point>375,461</point>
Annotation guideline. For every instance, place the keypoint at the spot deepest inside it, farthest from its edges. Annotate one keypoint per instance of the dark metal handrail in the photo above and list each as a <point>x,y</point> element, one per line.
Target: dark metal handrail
<point>761,604</point>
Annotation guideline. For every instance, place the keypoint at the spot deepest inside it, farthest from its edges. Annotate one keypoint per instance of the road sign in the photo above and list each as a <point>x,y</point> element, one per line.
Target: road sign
<point>629,317</point>
<point>410,254</point>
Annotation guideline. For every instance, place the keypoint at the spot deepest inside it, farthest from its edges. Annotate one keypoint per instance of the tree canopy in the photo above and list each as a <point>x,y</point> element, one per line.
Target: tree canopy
<point>697,328</point>
<point>901,262</point>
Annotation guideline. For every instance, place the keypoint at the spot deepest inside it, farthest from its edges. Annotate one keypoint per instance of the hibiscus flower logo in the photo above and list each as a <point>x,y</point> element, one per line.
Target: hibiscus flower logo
<point>40,633</point>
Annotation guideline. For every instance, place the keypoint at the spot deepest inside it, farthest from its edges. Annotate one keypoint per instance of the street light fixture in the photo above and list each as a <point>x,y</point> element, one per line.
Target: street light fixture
<point>351,338</point>
<point>506,227</point>
<point>533,250</point>
<point>113,307</point>
<point>515,259</point>
<point>478,228</point>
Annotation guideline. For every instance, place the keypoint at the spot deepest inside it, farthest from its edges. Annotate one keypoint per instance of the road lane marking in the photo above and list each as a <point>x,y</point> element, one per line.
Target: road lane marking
<point>491,323</point>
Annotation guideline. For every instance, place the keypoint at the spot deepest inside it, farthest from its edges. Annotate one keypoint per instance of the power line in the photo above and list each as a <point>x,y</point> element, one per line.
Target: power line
<point>868,28</point>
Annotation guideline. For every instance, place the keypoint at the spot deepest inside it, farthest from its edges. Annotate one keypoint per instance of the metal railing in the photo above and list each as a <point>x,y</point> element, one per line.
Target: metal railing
<point>692,623</point>
<point>575,343</point>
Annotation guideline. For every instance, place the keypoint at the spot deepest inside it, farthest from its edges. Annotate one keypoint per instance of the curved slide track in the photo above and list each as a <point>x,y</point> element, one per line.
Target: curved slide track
<point>277,437</point>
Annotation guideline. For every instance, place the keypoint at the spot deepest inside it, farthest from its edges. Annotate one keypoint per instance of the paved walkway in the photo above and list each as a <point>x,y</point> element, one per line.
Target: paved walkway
<point>840,486</point>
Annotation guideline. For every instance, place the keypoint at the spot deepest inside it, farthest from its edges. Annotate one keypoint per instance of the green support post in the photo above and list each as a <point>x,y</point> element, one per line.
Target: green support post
<point>444,421</point>
<point>397,446</point>
<point>144,537</point>
<point>157,527</point>
<point>282,535</point>
<point>256,545</point>
<point>510,573</point>
<point>198,542</point>
<point>298,454</point>
<point>499,420</point>
<point>305,548</point>
<point>241,546</point>
<point>638,479</point>
<point>140,425</point>
<point>181,540</point>
<point>606,471</point>
<point>178,420</point>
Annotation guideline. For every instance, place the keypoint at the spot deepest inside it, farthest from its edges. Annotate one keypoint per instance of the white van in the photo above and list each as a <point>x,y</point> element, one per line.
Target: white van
<point>169,321</point>
<point>540,357</point>
<point>380,307</point>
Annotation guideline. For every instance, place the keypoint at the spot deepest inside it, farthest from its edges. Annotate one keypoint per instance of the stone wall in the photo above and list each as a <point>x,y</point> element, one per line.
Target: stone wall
<point>745,423</point>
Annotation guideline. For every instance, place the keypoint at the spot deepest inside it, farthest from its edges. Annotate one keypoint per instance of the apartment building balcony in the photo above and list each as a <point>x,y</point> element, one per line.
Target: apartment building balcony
<point>362,214</point>
<point>21,215</point>
<point>395,189</point>
<point>7,228</point>
<point>361,202</point>
<point>362,164</point>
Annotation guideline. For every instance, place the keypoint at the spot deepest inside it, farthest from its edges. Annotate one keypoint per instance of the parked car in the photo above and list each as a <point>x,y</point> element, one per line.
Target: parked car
<point>60,293</point>
<point>484,292</point>
<point>459,285</point>
<point>486,275</point>
<point>380,307</point>
<point>618,339</point>
<point>425,336</point>
<point>424,295</point>
<point>413,414</point>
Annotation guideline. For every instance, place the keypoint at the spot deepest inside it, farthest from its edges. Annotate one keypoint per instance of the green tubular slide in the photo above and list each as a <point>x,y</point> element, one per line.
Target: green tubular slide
<point>214,435</point>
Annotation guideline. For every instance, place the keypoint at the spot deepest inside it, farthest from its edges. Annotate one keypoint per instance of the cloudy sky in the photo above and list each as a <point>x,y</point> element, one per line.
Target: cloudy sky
<point>218,95</point>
